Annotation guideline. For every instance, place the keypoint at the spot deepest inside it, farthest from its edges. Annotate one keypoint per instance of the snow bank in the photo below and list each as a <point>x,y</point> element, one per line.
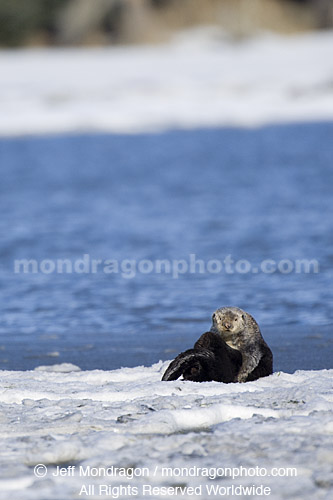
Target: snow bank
<point>200,79</point>
<point>130,420</point>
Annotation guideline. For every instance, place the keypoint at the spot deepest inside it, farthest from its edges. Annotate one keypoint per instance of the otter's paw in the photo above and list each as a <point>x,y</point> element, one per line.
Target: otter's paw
<point>241,377</point>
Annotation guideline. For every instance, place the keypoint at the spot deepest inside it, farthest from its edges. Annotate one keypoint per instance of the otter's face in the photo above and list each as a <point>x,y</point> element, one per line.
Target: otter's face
<point>227,323</point>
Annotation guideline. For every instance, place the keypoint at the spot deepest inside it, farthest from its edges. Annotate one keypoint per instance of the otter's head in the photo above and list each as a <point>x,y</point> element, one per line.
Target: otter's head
<point>228,322</point>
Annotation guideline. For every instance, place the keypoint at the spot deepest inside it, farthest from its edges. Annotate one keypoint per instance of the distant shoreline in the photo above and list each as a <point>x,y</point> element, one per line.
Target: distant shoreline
<point>197,81</point>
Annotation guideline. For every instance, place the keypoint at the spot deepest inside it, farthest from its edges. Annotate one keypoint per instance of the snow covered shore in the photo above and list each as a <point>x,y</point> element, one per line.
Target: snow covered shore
<point>200,79</point>
<point>74,421</point>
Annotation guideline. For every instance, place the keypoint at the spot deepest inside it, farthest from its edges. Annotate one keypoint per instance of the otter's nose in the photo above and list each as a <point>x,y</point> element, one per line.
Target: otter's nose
<point>227,326</point>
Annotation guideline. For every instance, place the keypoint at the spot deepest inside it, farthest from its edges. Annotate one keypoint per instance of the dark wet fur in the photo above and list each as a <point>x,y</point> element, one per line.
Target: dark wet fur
<point>210,359</point>
<point>265,365</point>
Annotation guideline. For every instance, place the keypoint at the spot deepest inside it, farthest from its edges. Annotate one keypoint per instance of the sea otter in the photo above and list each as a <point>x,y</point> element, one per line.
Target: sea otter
<point>233,351</point>
<point>241,332</point>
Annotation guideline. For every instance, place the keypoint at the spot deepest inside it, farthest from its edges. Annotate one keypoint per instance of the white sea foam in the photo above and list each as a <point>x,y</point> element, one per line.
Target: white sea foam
<point>128,418</point>
<point>199,79</point>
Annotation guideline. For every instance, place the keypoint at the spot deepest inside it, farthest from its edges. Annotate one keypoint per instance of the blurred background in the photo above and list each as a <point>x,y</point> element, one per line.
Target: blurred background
<point>156,129</point>
<point>103,22</point>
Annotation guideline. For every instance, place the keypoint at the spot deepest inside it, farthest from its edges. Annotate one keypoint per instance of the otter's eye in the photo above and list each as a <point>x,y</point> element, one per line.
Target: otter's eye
<point>235,319</point>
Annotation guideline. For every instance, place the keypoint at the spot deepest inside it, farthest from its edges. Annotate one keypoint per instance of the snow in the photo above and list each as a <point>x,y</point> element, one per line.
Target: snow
<point>130,420</point>
<point>201,78</point>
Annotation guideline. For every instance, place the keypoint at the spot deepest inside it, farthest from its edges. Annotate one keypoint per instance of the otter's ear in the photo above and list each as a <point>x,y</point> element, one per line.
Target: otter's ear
<point>243,316</point>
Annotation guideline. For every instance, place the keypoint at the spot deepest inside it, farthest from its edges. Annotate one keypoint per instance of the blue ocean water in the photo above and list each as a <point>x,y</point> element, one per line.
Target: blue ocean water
<point>240,194</point>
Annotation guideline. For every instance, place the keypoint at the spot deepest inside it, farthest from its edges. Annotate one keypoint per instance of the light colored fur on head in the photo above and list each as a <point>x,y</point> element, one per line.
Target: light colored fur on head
<point>234,325</point>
